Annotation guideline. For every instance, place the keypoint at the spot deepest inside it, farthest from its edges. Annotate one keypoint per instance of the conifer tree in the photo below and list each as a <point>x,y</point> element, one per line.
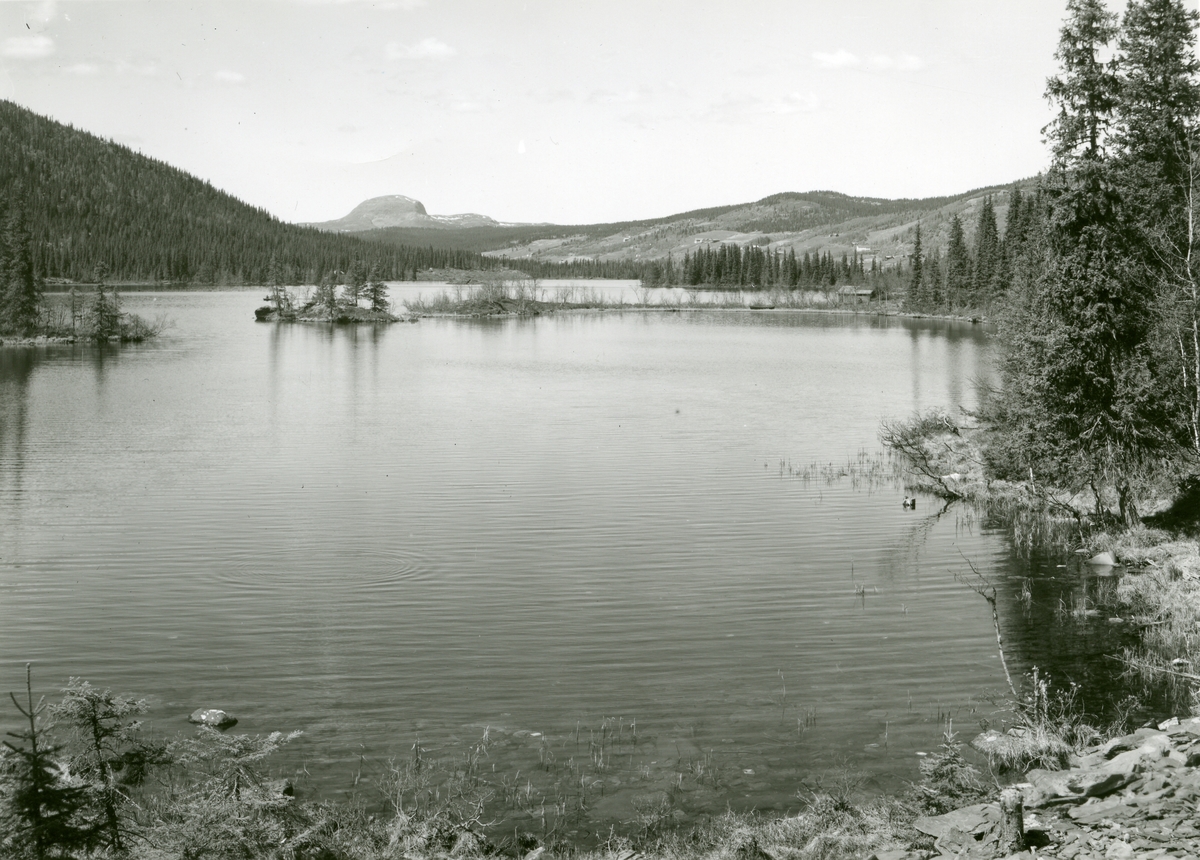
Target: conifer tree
<point>356,280</point>
<point>1082,400</point>
<point>1157,169</point>
<point>377,291</point>
<point>45,812</point>
<point>915,299</point>
<point>958,266</point>
<point>933,277</point>
<point>986,270</point>
<point>20,296</point>
<point>111,755</point>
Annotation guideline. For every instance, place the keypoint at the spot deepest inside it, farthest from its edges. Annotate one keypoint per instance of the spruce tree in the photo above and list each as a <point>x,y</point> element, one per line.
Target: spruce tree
<point>1157,172</point>
<point>1081,397</point>
<point>110,755</point>
<point>46,813</point>
<point>914,301</point>
<point>377,291</point>
<point>958,266</point>
<point>986,272</point>
<point>19,285</point>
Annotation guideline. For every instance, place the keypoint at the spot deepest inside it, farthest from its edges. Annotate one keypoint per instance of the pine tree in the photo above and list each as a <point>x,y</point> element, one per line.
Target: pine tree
<point>914,301</point>
<point>111,754</point>
<point>46,812</point>
<point>1086,91</point>
<point>934,291</point>
<point>1157,170</point>
<point>1081,398</point>
<point>986,272</point>
<point>377,291</point>
<point>958,266</point>
<point>21,295</point>
<point>356,280</point>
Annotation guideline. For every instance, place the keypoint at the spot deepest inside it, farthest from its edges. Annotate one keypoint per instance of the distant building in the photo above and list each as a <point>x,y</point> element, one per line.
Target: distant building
<point>849,295</point>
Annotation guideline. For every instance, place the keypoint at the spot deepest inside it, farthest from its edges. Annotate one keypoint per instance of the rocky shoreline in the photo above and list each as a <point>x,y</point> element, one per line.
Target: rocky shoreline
<point>1136,796</point>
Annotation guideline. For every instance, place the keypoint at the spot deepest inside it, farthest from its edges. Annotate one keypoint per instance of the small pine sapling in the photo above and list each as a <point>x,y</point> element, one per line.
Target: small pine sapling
<point>46,810</point>
<point>110,755</point>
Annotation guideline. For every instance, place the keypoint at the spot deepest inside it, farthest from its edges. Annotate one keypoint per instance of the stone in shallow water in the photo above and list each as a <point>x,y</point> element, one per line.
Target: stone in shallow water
<point>212,717</point>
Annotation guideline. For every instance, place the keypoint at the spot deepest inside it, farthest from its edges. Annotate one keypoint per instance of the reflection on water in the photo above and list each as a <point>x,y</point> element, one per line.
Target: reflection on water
<point>16,366</point>
<point>548,525</point>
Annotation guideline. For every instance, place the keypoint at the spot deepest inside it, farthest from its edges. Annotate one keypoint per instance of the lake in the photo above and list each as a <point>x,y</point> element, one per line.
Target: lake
<point>615,541</point>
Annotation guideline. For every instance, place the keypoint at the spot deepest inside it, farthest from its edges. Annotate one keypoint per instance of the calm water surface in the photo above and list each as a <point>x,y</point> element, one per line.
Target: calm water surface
<point>565,525</point>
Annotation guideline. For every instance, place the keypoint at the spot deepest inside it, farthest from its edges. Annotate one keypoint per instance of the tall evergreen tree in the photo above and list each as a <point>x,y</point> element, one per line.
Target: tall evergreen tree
<point>1157,169</point>
<point>44,811</point>
<point>1081,396</point>
<point>987,269</point>
<point>1085,92</point>
<point>958,266</point>
<point>916,282</point>
<point>19,283</point>
<point>377,290</point>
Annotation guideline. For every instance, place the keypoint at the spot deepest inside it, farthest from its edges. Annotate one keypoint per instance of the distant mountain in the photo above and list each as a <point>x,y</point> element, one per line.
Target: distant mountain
<point>396,210</point>
<point>814,221</point>
<point>89,200</point>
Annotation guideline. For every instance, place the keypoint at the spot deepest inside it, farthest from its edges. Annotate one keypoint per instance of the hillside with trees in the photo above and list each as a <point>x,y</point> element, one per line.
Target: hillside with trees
<point>87,201</point>
<point>848,240</point>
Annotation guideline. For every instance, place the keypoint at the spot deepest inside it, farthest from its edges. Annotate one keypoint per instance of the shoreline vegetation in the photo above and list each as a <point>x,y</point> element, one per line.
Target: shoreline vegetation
<point>507,297</point>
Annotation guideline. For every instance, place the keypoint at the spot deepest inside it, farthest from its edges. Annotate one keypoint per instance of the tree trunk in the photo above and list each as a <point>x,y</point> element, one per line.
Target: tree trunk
<point>1129,511</point>
<point>1012,823</point>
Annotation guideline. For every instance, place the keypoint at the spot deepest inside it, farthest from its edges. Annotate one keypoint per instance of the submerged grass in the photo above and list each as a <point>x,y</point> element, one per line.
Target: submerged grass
<point>528,298</point>
<point>519,298</point>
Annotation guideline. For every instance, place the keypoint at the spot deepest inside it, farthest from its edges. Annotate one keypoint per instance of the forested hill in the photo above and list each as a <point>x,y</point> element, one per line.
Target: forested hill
<point>813,222</point>
<point>89,200</point>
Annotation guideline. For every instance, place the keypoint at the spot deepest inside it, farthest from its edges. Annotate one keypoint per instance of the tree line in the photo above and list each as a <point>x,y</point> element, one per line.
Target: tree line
<point>968,277</point>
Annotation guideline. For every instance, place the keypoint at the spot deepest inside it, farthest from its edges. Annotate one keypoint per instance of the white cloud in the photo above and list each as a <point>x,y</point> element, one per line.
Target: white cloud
<point>83,69</point>
<point>840,59</point>
<point>227,77</point>
<point>28,47</point>
<point>427,49</point>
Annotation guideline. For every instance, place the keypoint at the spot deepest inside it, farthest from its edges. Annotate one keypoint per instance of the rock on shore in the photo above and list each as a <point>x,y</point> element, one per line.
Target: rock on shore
<point>1133,797</point>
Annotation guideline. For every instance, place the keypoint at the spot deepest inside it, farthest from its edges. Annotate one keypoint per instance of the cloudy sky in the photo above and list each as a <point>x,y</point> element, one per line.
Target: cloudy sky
<point>570,111</point>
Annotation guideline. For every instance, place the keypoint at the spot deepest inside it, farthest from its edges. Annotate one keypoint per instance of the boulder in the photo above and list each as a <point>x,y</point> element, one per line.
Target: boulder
<point>969,819</point>
<point>1053,787</point>
<point>214,718</point>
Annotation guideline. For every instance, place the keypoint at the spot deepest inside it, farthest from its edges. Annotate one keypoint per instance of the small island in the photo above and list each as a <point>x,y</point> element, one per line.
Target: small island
<point>323,304</point>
